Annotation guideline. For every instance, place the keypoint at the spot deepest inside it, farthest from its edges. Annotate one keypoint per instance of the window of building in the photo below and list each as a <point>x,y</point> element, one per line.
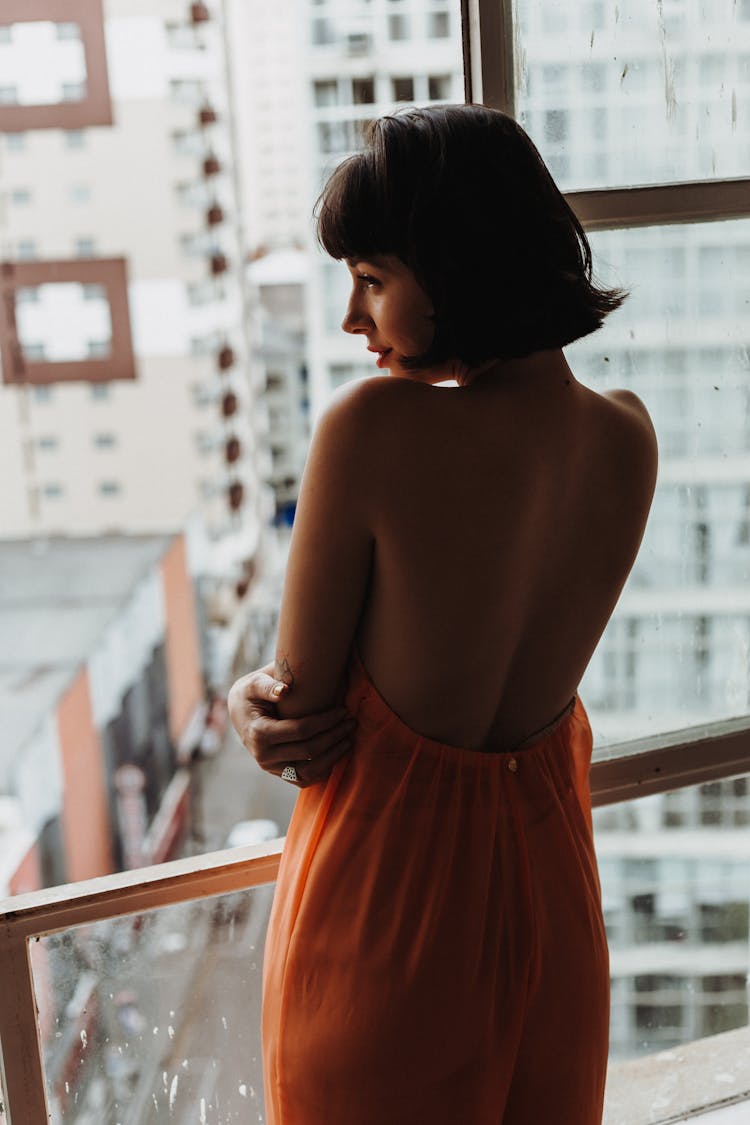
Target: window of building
<point>85,247</point>
<point>323,32</point>
<point>53,490</point>
<point>67,31</point>
<point>438,25</point>
<point>439,87</point>
<point>109,488</point>
<point>100,392</point>
<point>43,393</point>
<point>398,27</point>
<point>48,442</point>
<point>8,94</point>
<point>72,91</point>
<point>75,138</point>
<point>325,92</point>
<point>402,89</point>
<point>556,126</point>
<point>28,295</point>
<point>15,142</point>
<point>363,91</point>
<point>26,249</point>
<point>80,193</point>
<point>20,196</point>
<point>105,440</point>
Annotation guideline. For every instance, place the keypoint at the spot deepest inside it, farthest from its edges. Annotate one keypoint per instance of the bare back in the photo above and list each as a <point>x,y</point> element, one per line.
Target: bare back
<point>509,517</point>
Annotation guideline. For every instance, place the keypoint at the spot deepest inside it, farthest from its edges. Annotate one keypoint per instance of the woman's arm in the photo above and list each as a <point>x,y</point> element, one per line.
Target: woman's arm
<point>329,558</point>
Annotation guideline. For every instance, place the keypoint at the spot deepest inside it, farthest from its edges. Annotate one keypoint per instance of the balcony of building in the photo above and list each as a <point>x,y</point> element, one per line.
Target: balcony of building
<point>136,997</point>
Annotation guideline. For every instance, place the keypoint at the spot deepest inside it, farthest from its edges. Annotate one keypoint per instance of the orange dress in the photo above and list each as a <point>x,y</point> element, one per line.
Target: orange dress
<point>436,953</point>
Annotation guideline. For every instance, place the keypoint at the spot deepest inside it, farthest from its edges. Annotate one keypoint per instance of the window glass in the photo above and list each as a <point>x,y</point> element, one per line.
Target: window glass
<point>156,1016</point>
<point>676,651</point>
<point>674,871</point>
<point>683,68</point>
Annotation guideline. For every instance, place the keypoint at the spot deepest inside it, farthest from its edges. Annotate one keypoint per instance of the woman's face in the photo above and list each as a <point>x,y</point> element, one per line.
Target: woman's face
<point>391,309</point>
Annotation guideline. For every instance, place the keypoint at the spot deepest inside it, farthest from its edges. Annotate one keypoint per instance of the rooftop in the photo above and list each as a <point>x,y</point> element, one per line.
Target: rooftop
<point>57,596</point>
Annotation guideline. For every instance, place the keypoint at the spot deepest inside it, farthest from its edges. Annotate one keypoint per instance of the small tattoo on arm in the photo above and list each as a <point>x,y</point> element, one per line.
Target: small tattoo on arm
<point>283,671</point>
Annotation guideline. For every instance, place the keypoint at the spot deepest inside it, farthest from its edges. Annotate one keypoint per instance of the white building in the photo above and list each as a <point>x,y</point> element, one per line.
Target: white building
<point>126,405</point>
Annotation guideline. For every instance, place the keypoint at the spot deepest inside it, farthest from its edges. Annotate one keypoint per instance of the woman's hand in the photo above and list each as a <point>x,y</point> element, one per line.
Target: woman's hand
<point>312,744</point>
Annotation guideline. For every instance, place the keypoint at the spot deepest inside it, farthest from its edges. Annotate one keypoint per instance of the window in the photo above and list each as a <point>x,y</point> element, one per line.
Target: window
<point>326,92</point>
<point>73,91</point>
<point>15,142</point>
<point>80,193</point>
<point>100,392</point>
<point>398,27</point>
<point>26,249</point>
<point>105,441</point>
<point>96,349</point>
<point>43,393</point>
<point>85,247</point>
<point>439,87</point>
<point>8,95</point>
<point>323,32</point>
<point>556,126</point>
<point>20,196</point>
<point>67,31</point>
<point>28,296</point>
<point>403,89</point>
<point>109,488</point>
<point>438,25</point>
<point>53,490</point>
<point>74,138</point>
<point>48,442</point>
<point>363,91</point>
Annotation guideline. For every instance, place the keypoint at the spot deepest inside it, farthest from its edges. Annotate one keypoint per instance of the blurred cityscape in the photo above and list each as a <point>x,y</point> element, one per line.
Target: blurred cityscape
<point>169,331</point>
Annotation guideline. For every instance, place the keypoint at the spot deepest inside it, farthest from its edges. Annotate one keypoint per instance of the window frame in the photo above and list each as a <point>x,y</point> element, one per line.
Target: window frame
<point>489,79</point>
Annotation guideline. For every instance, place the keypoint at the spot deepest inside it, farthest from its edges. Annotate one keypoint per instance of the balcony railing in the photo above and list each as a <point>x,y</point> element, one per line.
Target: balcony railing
<point>651,765</point>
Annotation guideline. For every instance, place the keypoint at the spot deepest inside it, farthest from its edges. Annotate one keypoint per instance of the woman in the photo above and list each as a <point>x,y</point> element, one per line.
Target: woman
<point>436,951</point>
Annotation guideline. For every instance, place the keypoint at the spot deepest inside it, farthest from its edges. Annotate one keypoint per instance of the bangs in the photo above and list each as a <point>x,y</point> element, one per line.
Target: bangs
<point>352,213</point>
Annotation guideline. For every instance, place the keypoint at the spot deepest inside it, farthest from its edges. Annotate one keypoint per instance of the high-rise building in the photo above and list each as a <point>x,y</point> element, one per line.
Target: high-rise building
<point>360,62</point>
<point>128,385</point>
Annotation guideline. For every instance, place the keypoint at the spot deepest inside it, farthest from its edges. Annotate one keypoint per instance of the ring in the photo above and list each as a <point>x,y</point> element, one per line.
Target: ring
<point>289,773</point>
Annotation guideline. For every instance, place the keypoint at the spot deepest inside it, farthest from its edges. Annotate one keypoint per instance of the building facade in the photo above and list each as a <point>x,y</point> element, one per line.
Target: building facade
<point>127,394</point>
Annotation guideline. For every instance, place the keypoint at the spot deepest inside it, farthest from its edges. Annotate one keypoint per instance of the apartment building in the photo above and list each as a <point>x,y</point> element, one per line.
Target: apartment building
<point>128,392</point>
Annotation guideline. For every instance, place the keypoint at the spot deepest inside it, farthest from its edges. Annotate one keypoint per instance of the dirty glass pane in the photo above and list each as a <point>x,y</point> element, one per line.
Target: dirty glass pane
<point>675,877</point>
<point>676,651</point>
<point>156,1017</point>
<point>635,92</point>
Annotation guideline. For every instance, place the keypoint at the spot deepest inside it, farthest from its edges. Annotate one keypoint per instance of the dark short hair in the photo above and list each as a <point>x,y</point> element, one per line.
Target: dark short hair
<point>461,195</point>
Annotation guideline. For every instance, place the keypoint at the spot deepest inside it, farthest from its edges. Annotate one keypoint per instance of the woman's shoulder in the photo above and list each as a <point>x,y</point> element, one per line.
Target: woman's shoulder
<point>634,418</point>
<point>631,440</point>
<point>367,409</point>
<point>364,394</point>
